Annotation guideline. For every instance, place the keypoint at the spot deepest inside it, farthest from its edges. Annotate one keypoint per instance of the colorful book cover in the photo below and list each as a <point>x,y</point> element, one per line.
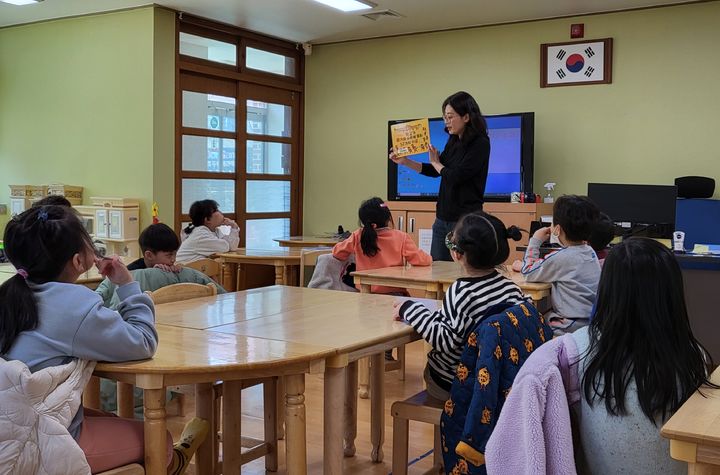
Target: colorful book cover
<point>409,138</point>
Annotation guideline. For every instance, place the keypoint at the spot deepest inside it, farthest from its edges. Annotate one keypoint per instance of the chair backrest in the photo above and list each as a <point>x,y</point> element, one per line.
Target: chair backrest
<point>209,267</point>
<point>308,258</point>
<point>184,291</point>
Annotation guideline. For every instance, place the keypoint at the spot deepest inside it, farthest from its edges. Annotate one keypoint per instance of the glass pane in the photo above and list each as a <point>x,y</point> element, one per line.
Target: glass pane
<point>268,196</point>
<point>268,119</point>
<point>222,191</point>
<point>268,157</point>
<point>208,111</point>
<point>207,48</point>
<point>209,154</point>
<point>269,62</point>
<point>259,233</point>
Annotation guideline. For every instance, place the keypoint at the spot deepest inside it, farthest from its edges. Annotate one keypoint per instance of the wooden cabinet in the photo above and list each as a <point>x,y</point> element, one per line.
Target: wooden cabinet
<point>414,216</point>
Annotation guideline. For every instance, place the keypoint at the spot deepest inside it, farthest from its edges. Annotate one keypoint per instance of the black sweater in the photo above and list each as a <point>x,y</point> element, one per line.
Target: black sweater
<point>462,182</point>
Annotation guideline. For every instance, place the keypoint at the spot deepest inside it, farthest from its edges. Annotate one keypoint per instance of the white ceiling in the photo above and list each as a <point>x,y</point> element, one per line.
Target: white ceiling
<point>307,21</point>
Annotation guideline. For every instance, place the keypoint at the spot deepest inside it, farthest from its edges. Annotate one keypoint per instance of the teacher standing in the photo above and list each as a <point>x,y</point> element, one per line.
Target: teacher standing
<point>462,167</point>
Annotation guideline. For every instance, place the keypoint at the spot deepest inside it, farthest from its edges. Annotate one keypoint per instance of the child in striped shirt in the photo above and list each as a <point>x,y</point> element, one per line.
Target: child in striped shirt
<point>479,243</point>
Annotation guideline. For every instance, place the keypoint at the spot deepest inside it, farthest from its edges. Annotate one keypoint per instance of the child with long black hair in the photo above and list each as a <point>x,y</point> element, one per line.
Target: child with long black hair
<point>376,244</point>
<point>479,243</point>
<point>639,361</point>
<point>49,323</point>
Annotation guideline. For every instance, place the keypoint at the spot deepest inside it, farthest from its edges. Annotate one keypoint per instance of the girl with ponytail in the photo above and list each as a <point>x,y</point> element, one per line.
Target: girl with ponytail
<point>376,244</point>
<point>479,243</point>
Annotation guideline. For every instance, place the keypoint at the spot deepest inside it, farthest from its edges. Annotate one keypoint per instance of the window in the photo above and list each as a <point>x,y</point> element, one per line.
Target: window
<point>251,171</point>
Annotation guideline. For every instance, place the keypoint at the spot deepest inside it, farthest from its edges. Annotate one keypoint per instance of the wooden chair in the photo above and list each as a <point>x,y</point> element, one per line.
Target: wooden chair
<point>183,291</point>
<point>209,267</point>
<point>423,408</point>
<point>308,258</point>
<point>132,469</point>
<point>258,448</point>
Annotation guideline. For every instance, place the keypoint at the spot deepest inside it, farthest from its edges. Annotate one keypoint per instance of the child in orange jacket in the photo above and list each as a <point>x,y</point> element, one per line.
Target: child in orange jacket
<point>376,244</point>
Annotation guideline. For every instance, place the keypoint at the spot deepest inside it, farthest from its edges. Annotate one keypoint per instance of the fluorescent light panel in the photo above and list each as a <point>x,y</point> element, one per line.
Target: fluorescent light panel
<point>21,2</point>
<point>347,5</point>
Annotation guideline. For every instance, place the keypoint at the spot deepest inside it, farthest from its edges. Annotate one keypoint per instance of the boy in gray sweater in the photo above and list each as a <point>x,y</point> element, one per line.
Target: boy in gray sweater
<point>574,270</point>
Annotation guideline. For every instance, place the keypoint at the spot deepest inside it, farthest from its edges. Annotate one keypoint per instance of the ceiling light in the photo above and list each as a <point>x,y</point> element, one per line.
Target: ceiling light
<point>348,5</point>
<point>21,2</point>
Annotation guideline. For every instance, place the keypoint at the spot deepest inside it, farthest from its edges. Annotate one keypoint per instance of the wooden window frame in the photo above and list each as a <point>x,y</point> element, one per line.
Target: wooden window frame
<point>195,74</point>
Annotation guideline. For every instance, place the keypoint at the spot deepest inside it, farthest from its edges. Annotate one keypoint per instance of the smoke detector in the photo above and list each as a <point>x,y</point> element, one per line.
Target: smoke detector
<point>376,15</point>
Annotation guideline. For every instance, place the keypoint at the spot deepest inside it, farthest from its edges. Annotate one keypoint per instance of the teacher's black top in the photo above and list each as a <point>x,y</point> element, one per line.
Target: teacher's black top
<point>462,182</point>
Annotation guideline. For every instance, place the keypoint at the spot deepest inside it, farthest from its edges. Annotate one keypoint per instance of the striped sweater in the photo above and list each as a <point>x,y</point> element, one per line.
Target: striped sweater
<point>466,303</point>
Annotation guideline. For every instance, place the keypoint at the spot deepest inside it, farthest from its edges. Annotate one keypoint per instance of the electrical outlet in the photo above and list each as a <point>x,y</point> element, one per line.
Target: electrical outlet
<point>3,209</point>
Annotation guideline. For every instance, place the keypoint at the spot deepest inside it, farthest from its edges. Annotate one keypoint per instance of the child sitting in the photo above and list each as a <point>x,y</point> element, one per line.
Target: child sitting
<point>479,243</point>
<point>602,234</point>
<point>376,244</point>
<point>159,245</point>
<point>202,238</point>
<point>573,271</point>
<point>48,322</point>
<point>157,267</point>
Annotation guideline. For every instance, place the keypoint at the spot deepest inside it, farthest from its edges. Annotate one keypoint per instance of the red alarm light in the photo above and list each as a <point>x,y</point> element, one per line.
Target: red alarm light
<point>577,30</point>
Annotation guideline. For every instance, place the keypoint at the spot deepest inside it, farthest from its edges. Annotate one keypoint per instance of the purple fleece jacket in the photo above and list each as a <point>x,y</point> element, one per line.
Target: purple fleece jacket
<point>533,435</point>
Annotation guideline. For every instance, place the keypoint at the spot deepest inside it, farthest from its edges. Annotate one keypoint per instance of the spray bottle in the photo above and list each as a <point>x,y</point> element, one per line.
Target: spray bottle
<point>548,196</point>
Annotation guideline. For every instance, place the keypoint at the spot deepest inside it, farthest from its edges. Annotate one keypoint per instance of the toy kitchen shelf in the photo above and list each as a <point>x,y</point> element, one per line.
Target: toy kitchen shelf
<point>114,221</point>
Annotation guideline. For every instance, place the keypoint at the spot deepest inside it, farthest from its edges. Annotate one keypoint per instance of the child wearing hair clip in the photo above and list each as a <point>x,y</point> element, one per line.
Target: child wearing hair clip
<point>51,333</point>
<point>376,244</point>
<point>479,243</point>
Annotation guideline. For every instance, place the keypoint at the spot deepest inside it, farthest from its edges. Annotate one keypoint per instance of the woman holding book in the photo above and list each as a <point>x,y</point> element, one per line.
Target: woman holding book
<point>462,167</point>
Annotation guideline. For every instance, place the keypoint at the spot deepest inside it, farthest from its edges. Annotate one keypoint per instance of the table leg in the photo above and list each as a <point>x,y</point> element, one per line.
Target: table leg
<point>363,372</point>
<point>377,406</point>
<point>206,457</point>
<point>125,400</point>
<point>279,274</point>
<point>703,469</point>
<point>229,280</point>
<point>334,388</point>
<point>295,441</point>
<point>91,394</point>
<point>155,432</point>
<point>231,418</point>
<point>351,383</point>
<point>270,399</point>
<point>280,402</point>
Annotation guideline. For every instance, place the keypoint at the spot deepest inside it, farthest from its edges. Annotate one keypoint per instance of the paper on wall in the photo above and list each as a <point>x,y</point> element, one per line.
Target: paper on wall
<point>425,239</point>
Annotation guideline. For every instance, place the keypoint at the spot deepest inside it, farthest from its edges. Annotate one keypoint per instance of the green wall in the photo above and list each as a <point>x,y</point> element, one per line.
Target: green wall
<point>88,101</point>
<point>660,117</point>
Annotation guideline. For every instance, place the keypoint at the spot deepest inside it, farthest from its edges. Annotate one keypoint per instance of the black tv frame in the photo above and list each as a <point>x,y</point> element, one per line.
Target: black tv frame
<point>527,161</point>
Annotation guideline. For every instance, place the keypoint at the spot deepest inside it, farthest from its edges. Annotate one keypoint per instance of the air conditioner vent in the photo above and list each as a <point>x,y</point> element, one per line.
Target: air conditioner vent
<point>381,14</point>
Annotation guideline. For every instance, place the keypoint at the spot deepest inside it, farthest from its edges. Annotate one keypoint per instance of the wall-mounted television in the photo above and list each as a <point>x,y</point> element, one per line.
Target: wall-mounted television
<point>512,144</point>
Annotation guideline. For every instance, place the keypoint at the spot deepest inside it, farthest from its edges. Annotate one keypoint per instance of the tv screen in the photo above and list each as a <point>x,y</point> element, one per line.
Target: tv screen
<point>510,168</point>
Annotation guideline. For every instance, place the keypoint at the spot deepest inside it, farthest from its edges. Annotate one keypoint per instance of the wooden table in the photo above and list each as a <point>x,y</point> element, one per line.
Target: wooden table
<point>354,326</point>
<point>200,357</point>
<point>694,431</point>
<point>307,241</point>
<point>283,259</point>
<point>435,279</point>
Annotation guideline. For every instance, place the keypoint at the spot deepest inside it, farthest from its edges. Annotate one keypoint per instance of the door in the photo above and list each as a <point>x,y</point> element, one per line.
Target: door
<point>115,224</point>
<point>268,198</point>
<point>419,226</point>
<point>101,223</point>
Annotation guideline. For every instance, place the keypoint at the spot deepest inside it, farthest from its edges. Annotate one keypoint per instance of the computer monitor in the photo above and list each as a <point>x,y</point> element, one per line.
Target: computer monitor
<point>646,210</point>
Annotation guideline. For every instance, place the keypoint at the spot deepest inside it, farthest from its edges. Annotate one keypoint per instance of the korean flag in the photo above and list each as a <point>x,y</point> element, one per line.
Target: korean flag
<point>582,62</point>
